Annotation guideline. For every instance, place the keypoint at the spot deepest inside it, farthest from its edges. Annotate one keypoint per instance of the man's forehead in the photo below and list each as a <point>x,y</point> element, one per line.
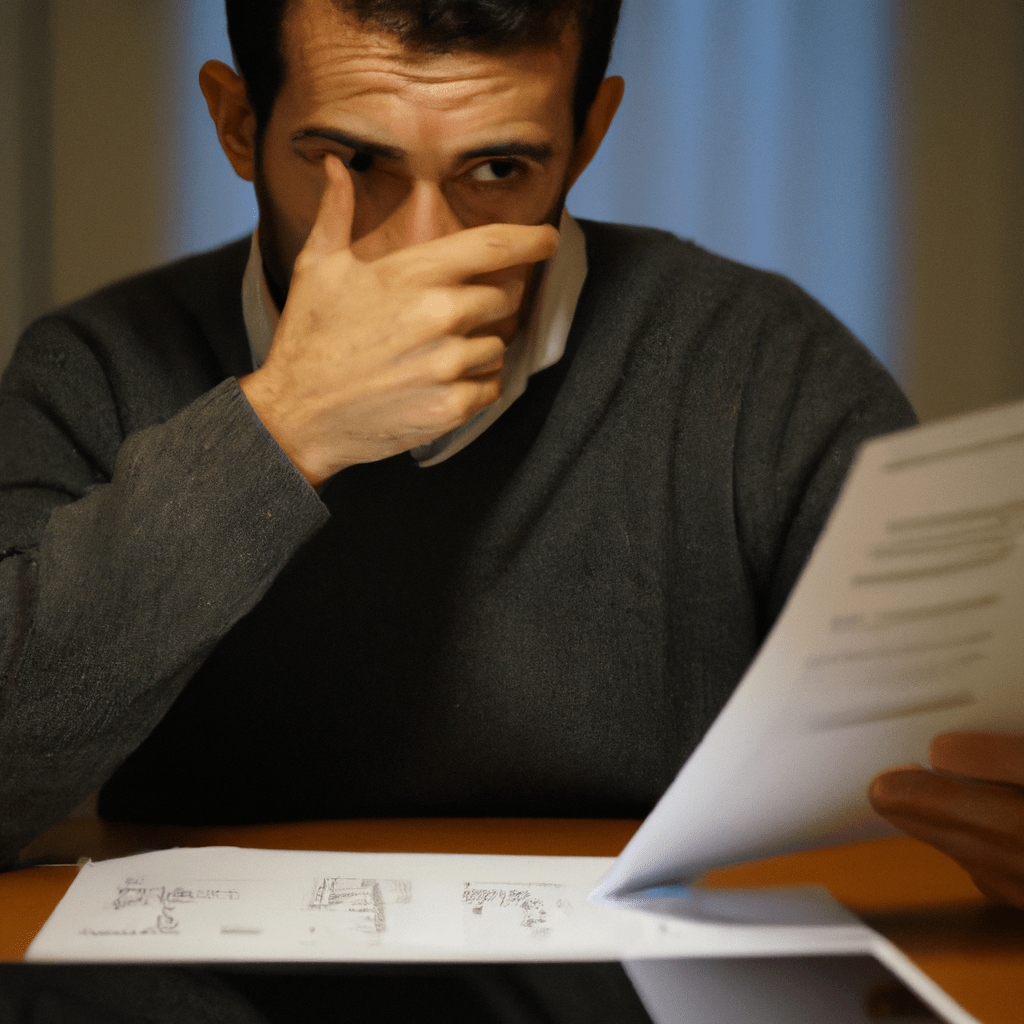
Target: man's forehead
<point>320,37</point>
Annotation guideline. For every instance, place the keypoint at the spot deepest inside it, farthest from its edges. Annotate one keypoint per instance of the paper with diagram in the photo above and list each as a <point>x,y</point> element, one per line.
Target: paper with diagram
<point>224,904</point>
<point>905,623</point>
<point>685,950</point>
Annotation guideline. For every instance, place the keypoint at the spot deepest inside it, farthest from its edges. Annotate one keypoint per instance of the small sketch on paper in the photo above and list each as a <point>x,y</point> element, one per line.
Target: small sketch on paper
<point>496,911</point>
<point>361,901</point>
<point>135,900</point>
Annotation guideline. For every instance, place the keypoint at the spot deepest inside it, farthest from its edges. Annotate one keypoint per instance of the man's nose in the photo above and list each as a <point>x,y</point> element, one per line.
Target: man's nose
<point>424,214</point>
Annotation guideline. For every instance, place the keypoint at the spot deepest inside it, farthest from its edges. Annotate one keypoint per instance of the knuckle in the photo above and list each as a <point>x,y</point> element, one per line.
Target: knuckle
<point>490,352</point>
<point>446,408</point>
<point>440,309</point>
<point>446,364</point>
<point>304,263</point>
<point>457,403</point>
<point>487,392</point>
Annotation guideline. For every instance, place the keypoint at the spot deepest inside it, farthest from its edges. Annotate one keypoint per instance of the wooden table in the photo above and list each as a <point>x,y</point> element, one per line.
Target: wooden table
<point>910,893</point>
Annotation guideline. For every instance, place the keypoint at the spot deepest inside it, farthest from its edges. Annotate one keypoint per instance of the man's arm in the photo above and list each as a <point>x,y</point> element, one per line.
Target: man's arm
<point>110,608</point>
<point>118,578</point>
<point>971,808</point>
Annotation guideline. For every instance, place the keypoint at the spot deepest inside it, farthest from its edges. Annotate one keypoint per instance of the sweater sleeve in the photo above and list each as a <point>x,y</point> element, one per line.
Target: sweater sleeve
<point>123,561</point>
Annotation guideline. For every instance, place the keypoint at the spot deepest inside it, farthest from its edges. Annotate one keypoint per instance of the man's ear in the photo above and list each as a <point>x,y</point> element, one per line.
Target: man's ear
<point>602,110</point>
<point>232,113</point>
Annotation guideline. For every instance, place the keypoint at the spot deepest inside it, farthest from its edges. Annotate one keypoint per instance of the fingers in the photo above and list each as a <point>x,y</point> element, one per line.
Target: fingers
<point>1001,880</point>
<point>476,251</point>
<point>978,824</point>
<point>447,406</point>
<point>332,229</point>
<point>457,358</point>
<point>482,358</point>
<point>471,396</point>
<point>979,755</point>
<point>480,305</point>
<point>466,311</point>
<point>942,802</point>
<point>995,864</point>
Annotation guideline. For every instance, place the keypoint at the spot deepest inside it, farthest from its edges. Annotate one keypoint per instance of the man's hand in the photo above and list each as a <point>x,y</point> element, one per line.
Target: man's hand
<point>976,817</point>
<point>371,359</point>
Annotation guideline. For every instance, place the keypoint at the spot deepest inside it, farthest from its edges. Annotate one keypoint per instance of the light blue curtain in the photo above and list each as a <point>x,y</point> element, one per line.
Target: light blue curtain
<point>760,128</point>
<point>209,203</point>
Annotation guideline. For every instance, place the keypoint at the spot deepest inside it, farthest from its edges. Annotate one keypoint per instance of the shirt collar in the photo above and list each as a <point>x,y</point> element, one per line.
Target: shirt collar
<point>538,344</point>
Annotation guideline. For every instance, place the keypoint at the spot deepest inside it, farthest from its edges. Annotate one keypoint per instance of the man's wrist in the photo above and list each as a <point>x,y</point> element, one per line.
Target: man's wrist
<point>285,427</point>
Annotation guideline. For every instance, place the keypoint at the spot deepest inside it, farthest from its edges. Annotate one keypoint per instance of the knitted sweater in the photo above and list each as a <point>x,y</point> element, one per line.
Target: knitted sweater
<point>544,624</point>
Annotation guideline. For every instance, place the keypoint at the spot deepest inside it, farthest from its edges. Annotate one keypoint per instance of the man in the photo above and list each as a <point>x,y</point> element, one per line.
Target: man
<point>544,619</point>
<point>233,595</point>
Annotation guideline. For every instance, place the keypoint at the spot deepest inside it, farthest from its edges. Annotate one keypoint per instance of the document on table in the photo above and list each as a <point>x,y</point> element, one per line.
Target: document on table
<point>226,904</point>
<point>692,955</point>
<point>905,623</point>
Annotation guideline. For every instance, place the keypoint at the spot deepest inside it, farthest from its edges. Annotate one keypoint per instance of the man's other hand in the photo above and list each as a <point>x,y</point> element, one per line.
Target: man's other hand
<point>971,808</point>
<point>372,359</point>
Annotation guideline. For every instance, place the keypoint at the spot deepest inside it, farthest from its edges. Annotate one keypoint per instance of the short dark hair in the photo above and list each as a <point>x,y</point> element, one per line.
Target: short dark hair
<point>433,26</point>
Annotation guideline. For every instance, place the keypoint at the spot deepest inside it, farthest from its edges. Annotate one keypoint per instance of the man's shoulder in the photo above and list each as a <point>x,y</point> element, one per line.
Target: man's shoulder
<point>653,260</point>
<point>684,319</point>
<point>659,289</point>
<point>205,281</point>
<point>191,306</point>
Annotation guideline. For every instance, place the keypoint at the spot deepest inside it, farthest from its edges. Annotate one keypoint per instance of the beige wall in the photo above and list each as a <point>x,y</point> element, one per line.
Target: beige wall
<point>98,146</point>
<point>25,162</point>
<point>84,122</point>
<point>963,73</point>
<point>109,125</point>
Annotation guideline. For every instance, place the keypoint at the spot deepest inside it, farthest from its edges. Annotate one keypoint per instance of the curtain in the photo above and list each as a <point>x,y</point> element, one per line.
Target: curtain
<point>764,130</point>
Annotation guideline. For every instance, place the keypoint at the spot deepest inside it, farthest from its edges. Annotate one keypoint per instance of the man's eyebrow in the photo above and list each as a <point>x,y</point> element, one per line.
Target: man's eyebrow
<point>540,153</point>
<point>351,142</point>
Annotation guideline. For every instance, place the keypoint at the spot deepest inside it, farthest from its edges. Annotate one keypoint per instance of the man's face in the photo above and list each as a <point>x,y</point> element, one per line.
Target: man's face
<point>435,144</point>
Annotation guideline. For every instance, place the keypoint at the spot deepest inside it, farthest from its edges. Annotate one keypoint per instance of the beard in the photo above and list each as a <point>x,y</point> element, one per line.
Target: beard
<point>275,272</point>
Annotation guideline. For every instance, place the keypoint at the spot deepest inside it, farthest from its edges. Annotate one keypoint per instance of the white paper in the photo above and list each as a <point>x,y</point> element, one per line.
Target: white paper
<point>227,904</point>
<point>685,950</point>
<point>906,623</point>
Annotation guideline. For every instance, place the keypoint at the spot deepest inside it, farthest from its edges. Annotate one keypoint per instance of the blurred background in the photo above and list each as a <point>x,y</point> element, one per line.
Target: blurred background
<point>871,150</point>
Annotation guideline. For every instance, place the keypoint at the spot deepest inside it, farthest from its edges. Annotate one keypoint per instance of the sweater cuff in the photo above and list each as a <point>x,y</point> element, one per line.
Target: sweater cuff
<point>215,476</point>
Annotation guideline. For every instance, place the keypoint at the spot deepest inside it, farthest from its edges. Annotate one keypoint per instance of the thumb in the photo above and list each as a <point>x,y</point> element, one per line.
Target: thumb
<point>332,229</point>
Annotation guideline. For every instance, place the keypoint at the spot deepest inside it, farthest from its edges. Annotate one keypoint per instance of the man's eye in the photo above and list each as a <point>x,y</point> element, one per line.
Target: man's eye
<point>494,170</point>
<point>359,162</point>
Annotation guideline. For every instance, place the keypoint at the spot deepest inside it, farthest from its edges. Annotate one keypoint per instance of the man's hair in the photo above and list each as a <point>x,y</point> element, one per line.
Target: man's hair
<point>432,26</point>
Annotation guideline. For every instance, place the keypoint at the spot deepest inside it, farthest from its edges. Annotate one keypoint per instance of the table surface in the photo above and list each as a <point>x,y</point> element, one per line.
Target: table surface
<point>913,895</point>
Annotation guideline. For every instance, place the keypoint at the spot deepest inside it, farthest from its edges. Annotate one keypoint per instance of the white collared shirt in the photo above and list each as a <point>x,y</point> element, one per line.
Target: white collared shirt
<point>537,345</point>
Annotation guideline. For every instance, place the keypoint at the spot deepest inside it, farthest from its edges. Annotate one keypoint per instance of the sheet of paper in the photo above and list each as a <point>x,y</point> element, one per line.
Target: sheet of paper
<point>906,623</point>
<point>224,904</point>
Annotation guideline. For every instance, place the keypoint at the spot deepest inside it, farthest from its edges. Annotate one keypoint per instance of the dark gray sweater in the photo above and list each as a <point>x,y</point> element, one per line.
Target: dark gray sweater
<point>544,624</point>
